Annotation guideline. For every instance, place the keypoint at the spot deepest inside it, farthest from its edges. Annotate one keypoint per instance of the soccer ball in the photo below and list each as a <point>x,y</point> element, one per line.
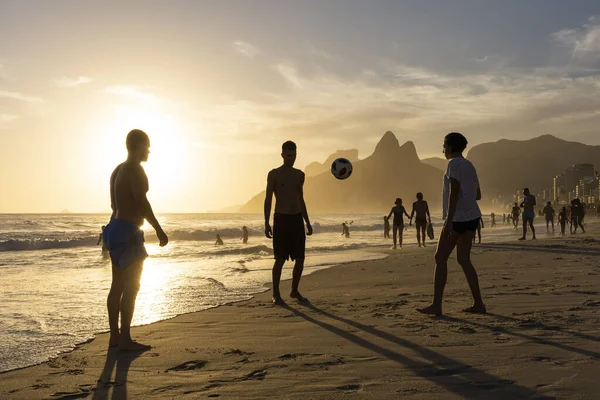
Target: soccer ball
<point>341,168</point>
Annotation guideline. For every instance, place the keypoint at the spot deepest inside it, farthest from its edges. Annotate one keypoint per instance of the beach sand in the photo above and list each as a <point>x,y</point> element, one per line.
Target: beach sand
<point>361,337</point>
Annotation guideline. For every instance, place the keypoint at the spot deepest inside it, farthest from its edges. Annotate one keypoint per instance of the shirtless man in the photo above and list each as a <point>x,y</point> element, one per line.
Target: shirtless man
<point>289,239</point>
<point>125,240</point>
<point>421,209</point>
<point>528,213</point>
<point>549,213</point>
<point>398,227</point>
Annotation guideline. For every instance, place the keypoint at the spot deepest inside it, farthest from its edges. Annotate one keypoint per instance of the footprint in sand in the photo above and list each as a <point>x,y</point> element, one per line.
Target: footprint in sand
<point>348,387</point>
<point>188,366</point>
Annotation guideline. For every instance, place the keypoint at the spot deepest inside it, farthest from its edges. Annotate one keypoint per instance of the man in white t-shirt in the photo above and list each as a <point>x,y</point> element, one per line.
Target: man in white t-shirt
<point>461,218</point>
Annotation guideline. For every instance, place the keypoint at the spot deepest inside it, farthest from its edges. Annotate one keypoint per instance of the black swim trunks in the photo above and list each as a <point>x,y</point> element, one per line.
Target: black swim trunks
<point>419,222</point>
<point>463,226</point>
<point>289,239</point>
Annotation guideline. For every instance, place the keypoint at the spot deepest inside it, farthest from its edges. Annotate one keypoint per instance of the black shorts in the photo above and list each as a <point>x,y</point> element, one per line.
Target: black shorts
<point>420,222</point>
<point>463,226</point>
<point>289,239</point>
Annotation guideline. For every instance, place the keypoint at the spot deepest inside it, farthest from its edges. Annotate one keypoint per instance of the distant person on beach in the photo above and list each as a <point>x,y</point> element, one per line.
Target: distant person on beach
<point>219,241</point>
<point>386,227</point>
<point>479,228</point>
<point>549,213</point>
<point>125,240</point>
<point>398,227</point>
<point>508,219</point>
<point>289,239</point>
<point>563,220</point>
<point>101,240</point>
<point>244,237</point>
<point>420,210</point>
<point>504,218</point>
<point>598,211</point>
<point>516,212</point>
<point>577,214</point>
<point>345,230</point>
<point>528,205</point>
<point>583,211</point>
<point>461,216</point>
<point>493,218</point>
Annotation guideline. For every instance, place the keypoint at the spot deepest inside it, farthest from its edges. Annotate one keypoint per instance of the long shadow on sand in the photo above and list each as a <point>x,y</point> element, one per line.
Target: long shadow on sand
<point>455,376</point>
<point>122,361</point>
<point>531,338</point>
<point>557,248</point>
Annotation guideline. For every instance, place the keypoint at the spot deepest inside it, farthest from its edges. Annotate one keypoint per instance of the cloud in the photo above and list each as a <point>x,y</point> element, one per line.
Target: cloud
<point>66,82</point>
<point>484,59</point>
<point>20,97</point>
<point>583,42</point>
<point>133,93</point>
<point>289,73</point>
<point>246,49</point>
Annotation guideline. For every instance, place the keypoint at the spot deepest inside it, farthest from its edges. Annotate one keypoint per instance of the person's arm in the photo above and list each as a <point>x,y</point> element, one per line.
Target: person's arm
<point>99,239</point>
<point>412,213</point>
<point>303,205</point>
<point>390,214</point>
<point>405,213</point>
<point>113,201</point>
<point>478,196</point>
<point>139,188</point>
<point>533,200</point>
<point>427,212</point>
<point>268,203</point>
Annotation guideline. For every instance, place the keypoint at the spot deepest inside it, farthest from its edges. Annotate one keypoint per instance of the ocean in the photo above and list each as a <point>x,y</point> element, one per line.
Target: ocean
<point>55,278</point>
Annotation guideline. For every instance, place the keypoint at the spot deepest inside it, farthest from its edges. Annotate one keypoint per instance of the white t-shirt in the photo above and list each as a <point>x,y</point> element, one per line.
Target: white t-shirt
<point>466,207</point>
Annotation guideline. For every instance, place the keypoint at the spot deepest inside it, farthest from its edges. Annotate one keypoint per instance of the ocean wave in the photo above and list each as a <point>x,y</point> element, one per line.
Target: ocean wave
<point>46,243</point>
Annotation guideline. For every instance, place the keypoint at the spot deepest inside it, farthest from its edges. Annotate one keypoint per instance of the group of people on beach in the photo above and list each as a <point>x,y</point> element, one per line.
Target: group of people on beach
<point>291,225</point>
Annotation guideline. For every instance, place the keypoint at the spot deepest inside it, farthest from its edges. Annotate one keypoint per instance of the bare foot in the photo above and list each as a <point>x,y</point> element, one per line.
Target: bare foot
<point>278,301</point>
<point>521,238</point>
<point>394,248</point>
<point>296,295</point>
<point>431,310</point>
<point>132,345</point>
<point>419,244</point>
<point>113,341</point>
<point>476,309</point>
<point>424,245</point>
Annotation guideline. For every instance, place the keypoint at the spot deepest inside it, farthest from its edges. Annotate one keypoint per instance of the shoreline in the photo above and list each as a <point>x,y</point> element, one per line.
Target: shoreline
<point>359,327</point>
<point>266,287</point>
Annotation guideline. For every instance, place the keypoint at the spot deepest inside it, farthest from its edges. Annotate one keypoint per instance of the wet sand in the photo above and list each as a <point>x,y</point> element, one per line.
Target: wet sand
<point>361,338</point>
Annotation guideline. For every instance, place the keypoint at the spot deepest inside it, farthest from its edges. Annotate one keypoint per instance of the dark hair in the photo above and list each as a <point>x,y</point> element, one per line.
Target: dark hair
<point>549,203</point>
<point>136,138</point>
<point>398,200</point>
<point>419,194</point>
<point>456,141</point>
<point>526,189</point>
<point>289,145</point>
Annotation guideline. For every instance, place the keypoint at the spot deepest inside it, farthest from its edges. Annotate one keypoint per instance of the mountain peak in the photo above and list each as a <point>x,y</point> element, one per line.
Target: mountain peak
<point>386,143</point>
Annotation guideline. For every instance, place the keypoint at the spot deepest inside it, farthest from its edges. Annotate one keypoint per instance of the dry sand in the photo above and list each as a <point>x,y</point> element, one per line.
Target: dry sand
<point>361,338</point>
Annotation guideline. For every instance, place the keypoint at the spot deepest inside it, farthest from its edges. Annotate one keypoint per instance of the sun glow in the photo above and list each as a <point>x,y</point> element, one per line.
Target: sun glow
<point>168,165</point>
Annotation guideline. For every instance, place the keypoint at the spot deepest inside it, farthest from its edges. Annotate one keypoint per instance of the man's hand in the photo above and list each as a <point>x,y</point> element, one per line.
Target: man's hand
<point>448,227</point>
<point>309,230</point>
<point>268,231</point>
<point>162,237</point>
<point>410,222</point>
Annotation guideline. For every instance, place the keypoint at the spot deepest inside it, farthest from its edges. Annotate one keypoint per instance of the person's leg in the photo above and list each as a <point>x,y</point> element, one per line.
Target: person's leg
<point>395,229</point>
<point>524,229</point>
<point>478,234</point>
<point>446,244</point>
<point>580,221</point>
<point>113,304</point>
<point>463,256</point>
<point>418,226</point>
<point>532,227</point>
<point>552,220</point>
<point>131,286</point>
<point>547,224</point>
<point>423,229</point>
<point>277,267</point>
<point>296,275</point>
<point>400,234</point>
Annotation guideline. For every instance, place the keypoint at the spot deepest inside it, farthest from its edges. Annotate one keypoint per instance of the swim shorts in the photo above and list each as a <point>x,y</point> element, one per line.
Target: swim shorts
<point>463,226</point>
<point>125,243</point>
<point>289,239</point>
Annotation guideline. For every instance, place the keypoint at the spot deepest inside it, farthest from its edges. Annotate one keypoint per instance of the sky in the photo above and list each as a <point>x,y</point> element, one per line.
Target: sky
<point>218,86</point>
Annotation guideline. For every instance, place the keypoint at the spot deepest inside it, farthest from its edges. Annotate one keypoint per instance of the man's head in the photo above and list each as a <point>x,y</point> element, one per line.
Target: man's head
<point>419,196</point>
<point>516,205</point>
<point>526,191</point>
<point>454,143</point>
<point>398,201</point>
<point>549,203</point>
<point>288,153</point>
<point>138,145</point>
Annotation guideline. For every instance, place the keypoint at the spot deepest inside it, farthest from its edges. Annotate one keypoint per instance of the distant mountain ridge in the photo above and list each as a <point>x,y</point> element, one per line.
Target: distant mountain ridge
<point>391,171</point>
<point>508,165</point>
<point>437,162</point>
